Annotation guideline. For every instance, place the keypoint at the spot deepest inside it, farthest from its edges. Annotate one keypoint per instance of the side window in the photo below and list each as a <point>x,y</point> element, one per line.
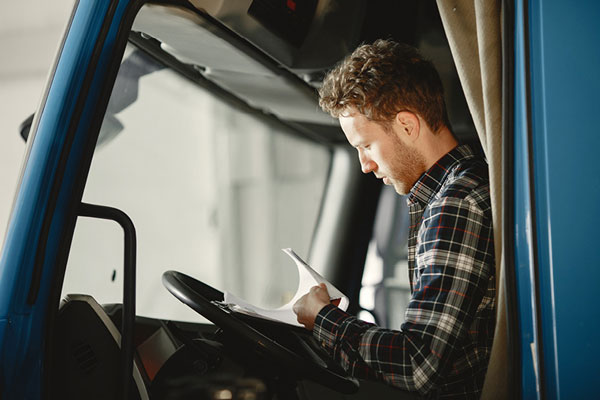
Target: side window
<point>385,290</point>
<point>213,192</point>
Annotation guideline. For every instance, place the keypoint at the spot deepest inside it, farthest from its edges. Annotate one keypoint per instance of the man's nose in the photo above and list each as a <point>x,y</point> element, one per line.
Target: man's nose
<point>366,164</point>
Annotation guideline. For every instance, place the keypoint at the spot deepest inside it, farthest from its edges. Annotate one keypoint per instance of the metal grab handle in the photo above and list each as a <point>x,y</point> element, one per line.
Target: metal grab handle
<point>129,268</point>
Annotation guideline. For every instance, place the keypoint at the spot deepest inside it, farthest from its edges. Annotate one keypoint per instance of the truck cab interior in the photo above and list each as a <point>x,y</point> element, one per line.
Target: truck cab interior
<point>207,154</point>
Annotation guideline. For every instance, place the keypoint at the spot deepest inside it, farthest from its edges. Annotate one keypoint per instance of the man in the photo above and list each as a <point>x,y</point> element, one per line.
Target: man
<point>390,105</point>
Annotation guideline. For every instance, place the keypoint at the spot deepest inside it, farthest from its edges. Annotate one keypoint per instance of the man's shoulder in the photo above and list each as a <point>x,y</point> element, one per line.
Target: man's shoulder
<point>468,181</point>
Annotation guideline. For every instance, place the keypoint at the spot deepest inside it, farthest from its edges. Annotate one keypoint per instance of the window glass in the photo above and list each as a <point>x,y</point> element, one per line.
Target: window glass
<point>385,290</point>
<point>212,192</point>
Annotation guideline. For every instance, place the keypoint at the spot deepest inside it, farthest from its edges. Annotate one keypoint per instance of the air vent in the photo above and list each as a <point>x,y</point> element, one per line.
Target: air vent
<point>85,356</point>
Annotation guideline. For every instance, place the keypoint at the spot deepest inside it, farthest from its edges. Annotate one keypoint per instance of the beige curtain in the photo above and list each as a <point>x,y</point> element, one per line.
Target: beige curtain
<point>473,28</point>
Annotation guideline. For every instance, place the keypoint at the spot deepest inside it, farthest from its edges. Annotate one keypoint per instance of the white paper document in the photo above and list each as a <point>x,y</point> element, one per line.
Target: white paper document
<point>308,278</point>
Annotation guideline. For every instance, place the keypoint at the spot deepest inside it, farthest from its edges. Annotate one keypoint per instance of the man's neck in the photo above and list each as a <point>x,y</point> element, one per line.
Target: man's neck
<point>436,145</point>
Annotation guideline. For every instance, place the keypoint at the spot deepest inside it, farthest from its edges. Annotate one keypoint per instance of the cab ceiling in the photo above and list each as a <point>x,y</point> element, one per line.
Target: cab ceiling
<point>259,65</point>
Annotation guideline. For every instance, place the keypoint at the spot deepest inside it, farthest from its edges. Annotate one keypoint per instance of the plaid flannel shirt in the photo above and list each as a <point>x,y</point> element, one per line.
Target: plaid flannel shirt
<point>443,347</point>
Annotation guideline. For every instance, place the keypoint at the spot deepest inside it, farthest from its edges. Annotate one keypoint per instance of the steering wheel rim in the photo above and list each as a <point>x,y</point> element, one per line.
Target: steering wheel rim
<point>199,296</point>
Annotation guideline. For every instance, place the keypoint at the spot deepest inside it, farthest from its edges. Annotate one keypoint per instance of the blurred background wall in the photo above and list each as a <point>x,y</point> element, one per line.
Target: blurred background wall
<point>30,32</point>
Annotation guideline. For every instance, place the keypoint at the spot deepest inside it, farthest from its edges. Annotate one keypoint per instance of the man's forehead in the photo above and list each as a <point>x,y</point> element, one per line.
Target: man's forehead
<point>348,124</point>
<point>357,121</point>
<point>357,129</point>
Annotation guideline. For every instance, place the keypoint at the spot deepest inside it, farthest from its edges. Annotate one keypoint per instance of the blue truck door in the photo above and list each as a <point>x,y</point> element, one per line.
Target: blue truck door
<point>557,193</point>
<point>43,216</point>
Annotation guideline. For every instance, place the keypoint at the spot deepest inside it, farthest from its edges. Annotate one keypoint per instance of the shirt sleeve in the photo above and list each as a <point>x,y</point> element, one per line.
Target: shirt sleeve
<point>453,266</point>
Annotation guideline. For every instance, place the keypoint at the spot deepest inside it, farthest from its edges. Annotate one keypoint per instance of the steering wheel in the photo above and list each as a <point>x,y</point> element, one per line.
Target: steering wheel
<point>200,297</point>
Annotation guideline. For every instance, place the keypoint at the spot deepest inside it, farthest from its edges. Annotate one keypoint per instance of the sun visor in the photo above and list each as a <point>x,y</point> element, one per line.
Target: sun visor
<point>305,36</point>
<point>233,63</point>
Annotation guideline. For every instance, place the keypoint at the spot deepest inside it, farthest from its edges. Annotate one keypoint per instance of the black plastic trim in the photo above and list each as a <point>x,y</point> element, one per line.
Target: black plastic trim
<point>508,194</point>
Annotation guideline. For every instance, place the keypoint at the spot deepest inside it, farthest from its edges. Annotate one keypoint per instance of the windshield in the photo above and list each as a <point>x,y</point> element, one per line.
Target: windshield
<point>213,192</point>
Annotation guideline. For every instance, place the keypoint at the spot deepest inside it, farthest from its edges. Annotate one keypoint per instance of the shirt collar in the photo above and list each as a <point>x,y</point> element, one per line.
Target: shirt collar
<point>432,180</point>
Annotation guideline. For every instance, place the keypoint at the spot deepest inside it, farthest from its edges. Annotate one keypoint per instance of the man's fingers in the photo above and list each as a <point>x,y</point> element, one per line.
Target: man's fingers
<point>299,304</point>
<point>322,292</point>
<point>308,306</point>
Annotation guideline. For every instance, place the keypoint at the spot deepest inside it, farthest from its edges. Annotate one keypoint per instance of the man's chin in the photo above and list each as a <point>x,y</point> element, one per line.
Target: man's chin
<point>400,188</point>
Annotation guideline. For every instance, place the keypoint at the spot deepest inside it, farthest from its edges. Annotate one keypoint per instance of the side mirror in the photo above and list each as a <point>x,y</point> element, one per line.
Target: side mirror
<point>25,127</point>
<point>134,66</point>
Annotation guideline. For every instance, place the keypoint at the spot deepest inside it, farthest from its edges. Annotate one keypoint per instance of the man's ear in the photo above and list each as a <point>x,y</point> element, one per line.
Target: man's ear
<point>409,125</point>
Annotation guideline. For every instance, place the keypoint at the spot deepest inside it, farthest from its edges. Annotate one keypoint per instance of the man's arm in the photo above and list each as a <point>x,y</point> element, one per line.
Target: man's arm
<point>453,268</point>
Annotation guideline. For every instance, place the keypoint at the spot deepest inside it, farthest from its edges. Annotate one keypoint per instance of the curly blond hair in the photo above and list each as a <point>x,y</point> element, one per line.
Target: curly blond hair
<point>381,79</point>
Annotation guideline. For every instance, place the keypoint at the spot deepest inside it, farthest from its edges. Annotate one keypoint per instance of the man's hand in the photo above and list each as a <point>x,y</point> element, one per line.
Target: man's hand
<point>309,305</point>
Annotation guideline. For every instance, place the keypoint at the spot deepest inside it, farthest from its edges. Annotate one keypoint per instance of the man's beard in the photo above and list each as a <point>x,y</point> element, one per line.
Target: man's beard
<point>406,168</point>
